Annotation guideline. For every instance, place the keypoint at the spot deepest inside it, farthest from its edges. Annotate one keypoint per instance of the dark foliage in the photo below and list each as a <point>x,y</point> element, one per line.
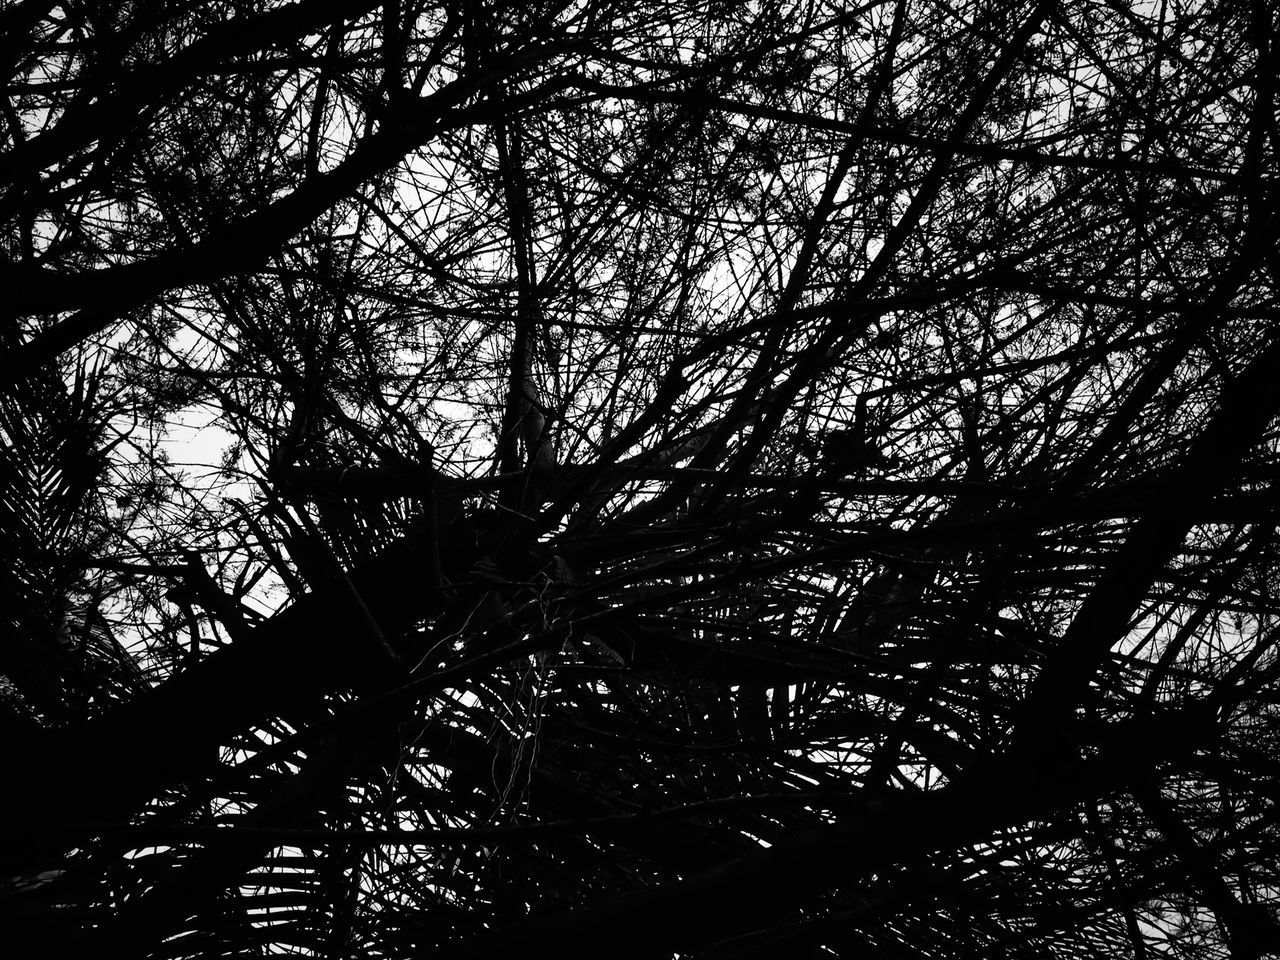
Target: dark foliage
<point>642,478</point>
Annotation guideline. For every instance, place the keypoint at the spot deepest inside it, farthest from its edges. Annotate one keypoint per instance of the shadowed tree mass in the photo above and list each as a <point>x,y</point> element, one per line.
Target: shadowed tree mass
<point>662,478</point>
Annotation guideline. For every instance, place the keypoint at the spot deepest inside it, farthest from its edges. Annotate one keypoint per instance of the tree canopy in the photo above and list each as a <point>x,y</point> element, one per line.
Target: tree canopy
<point>639,479</point>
